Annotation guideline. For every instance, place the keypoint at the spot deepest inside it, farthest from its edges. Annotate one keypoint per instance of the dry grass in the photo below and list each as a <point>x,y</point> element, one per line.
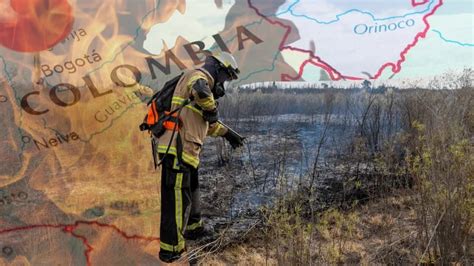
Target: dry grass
<point>384,231</point>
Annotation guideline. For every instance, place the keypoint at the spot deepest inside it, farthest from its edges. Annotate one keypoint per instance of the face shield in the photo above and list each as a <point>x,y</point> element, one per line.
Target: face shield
<point>224,76</point>
<point>219,89</point>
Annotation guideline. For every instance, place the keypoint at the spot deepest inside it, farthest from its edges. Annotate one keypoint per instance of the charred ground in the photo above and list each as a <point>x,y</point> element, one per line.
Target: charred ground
<point>327,173</point>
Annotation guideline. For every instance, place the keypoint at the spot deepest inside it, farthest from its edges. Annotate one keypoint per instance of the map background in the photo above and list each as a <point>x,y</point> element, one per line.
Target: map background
<point>100,192</point>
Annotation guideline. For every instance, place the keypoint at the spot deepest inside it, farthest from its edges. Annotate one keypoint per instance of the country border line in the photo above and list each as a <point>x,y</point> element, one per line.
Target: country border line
<point>335,75</point>
<point>398,66</point>
<point>422,2</point>
<point>69,228</point>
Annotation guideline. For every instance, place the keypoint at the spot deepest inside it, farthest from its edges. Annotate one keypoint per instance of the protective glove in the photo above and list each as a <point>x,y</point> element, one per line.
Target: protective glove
<point>211,116</point>
<point>234,139</point>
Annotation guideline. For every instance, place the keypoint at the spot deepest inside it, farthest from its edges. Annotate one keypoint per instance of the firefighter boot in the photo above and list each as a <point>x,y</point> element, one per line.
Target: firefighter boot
<point>203,233</point>
<point>169,257</point>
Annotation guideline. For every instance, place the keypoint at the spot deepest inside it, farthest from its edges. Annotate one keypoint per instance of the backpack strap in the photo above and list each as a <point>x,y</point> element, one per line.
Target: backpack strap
<point>179,149</point>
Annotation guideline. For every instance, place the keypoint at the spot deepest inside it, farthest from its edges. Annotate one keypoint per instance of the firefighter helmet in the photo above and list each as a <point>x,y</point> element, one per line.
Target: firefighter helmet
<point>228,63</point>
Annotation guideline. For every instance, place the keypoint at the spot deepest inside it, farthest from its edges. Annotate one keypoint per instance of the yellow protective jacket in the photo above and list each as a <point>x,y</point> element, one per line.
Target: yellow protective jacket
<point>194,128</point>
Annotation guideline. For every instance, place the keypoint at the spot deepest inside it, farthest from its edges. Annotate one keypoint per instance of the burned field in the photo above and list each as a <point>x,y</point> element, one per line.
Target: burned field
<point>278,158</point>
<point>320,158</point>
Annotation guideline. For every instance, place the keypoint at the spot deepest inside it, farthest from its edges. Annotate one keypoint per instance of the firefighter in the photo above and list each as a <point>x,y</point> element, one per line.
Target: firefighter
<point>180,211</point>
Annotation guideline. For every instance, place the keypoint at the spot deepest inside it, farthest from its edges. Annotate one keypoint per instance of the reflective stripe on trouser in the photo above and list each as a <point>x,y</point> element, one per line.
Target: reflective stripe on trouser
<point>175,205</point>
<point>194,221</point>
<point>179,202</point>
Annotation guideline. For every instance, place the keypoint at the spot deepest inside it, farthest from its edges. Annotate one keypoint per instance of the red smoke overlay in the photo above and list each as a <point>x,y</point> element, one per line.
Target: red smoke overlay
<point>37,25</point>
